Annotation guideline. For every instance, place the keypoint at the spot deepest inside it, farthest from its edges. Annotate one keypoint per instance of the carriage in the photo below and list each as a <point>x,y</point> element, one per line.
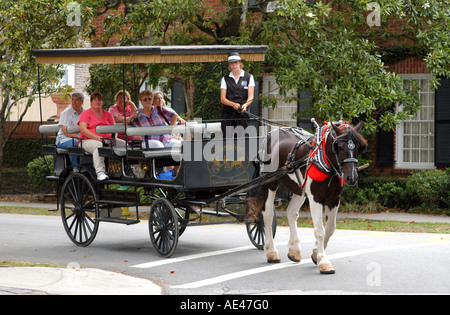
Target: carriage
<point>214,174</point>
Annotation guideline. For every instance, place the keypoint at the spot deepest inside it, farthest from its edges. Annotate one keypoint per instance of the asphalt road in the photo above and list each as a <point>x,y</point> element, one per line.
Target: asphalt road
<point>221,259</point>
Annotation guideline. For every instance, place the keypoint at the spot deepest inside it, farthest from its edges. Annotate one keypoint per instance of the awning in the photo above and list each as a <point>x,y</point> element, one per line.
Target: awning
<point>147,54</point>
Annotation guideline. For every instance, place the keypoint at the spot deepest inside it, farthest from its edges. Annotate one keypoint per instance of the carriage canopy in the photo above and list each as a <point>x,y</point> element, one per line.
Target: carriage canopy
<point>147,54</point>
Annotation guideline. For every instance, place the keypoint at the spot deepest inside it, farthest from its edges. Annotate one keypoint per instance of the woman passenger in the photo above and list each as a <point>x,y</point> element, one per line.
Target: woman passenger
<point>117,110</point>
<point>154,113</point>
<point>89,120</point>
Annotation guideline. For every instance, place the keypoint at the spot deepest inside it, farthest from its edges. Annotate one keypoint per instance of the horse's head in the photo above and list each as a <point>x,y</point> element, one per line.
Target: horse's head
<point>347,145</point>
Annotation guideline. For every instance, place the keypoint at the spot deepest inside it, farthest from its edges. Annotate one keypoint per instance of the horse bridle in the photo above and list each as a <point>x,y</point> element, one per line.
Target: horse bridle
<point>350,146</point>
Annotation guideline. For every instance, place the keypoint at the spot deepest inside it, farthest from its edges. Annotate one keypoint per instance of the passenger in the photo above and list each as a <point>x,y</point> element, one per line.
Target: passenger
<point>117,110</point>
<point>89,120</point>
<point>69,117</point>
<point>156,114</point>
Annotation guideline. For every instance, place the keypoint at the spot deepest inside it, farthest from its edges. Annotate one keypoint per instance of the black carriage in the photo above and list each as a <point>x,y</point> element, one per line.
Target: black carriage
<point>213,177</point>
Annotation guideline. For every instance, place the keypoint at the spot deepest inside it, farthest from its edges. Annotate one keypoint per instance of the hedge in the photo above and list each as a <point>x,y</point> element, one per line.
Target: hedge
<point>425,191</point>
<point>21,151</point>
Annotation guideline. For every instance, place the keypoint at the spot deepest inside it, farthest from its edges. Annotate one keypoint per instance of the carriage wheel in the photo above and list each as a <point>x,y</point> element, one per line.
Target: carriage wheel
<point>163,227</point>
<point>255,230</point>
<point>79,209</point>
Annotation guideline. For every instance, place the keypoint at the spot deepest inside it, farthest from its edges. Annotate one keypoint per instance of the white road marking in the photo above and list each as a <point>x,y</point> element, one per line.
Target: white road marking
<point>196,256</point>
<point>249,272</point>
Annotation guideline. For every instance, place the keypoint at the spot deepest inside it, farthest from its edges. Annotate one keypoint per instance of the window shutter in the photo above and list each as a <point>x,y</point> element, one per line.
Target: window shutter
<point>442,139</point>
<point>178,102</point>
<point>385,148</point>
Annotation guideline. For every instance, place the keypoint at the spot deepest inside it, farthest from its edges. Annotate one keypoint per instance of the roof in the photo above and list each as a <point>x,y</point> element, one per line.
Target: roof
<point>147,54</point>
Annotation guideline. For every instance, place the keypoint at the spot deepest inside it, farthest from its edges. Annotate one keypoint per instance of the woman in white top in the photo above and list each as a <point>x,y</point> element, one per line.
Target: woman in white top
<point>236,94</point>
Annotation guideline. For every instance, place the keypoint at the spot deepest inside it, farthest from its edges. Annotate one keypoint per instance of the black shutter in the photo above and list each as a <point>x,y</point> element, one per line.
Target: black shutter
<point>178,101</point>
<point>385,148</point>
<point>442,128</point>
<point>304,109</point>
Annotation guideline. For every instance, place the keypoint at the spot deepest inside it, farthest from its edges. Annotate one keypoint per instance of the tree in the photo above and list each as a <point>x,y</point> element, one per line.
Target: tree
<point>26,25</point>
<point>330,48</point>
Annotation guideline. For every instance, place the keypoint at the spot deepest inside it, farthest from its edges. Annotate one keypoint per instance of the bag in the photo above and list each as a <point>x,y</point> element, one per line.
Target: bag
<point>169,175</point>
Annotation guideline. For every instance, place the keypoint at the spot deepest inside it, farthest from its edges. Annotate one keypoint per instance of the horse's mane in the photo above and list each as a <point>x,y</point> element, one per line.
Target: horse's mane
<point>353,135</point>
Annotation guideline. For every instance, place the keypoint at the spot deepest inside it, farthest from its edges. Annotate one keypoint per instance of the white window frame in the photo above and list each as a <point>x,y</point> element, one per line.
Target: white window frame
<point>68,77</point>
<point>284,111</point>
<point>425,118</point>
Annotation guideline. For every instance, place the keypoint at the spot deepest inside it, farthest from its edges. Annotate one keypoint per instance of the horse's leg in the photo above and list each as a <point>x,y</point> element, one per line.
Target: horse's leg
<point>269,247</point>
<point>330,226</point>
<point>292,215</point>
<point>319,255</point>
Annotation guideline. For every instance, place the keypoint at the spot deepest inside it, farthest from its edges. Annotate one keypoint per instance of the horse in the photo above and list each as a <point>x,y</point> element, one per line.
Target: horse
<point>331,161</point>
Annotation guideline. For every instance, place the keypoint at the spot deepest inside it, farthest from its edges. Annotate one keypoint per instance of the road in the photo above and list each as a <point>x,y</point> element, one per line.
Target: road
<point>221,260</point>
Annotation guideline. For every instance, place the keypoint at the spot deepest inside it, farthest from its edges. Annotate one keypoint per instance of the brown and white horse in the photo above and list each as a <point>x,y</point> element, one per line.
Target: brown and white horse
<point>333,162</point>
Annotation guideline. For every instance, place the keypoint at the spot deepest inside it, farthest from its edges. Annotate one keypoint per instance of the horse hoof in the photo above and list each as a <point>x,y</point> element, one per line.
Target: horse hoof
<point>326,269</point>
<point>294,255</point>
<point>314,258</point>
<point>273,258</point>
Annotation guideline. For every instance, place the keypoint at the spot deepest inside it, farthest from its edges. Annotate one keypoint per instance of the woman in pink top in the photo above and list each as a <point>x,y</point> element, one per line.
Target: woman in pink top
<point>117,110</point>
<point>89,120</point>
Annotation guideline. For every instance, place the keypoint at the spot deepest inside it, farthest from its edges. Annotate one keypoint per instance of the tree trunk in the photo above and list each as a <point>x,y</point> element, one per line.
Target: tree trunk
<point>2,146</point>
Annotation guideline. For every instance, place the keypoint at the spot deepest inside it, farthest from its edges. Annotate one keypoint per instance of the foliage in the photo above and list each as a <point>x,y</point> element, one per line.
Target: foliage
<point>38,169</point>
<point>430,189</point>
<point>425,191</point>
<point>20,151</point>
<point>26,25</point>
<point>325,47</point>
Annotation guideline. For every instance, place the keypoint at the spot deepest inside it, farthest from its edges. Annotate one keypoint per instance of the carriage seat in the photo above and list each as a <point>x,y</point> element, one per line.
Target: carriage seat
<point>189,130</point>
<point>174,153</point>
<point>53,128</point>
<point>51,149</point>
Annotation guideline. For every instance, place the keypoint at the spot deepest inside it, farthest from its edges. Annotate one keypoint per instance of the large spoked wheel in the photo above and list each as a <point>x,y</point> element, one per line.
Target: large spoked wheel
<point>163,227</point>
<point>255,230</point>
<point>79,209</point>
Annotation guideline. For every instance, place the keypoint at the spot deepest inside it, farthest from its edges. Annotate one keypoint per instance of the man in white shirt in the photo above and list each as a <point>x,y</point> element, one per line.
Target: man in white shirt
<point>69,117</point>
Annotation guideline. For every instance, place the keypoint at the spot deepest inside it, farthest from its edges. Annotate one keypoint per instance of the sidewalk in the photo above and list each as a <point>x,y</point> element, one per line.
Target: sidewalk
<point>392,216</point>
<point>67,281</point>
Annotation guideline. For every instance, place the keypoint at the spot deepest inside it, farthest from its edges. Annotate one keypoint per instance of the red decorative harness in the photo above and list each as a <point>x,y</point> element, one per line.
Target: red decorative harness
<point>320,169</point>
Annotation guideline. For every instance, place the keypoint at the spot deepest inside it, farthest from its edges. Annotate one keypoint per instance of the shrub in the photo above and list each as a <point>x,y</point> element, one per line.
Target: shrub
<point>38,169</point>
<point>393,194</point>
<point>425,191</point>
<point>430,189</point>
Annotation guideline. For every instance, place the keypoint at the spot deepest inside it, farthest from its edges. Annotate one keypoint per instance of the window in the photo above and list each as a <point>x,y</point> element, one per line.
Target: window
<point>415,136</point>
<point>285,112</point>
<point>68,77</point>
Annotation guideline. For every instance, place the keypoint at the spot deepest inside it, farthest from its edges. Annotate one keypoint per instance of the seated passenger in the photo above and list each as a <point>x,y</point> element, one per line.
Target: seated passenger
<point>156,115</point>
<point>69,117</point>
<point>117,110</point>
<point>89,120</point>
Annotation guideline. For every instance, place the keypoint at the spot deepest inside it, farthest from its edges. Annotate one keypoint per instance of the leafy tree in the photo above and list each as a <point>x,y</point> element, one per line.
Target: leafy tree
<point>327,47</point>
<point>26,25</point>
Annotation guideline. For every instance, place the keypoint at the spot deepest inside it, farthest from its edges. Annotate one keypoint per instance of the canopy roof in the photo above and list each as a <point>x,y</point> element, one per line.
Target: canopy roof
<point>147,54</point>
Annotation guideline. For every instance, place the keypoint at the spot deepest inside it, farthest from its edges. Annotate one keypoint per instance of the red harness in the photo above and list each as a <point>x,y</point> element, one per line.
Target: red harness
<point>312,171</point>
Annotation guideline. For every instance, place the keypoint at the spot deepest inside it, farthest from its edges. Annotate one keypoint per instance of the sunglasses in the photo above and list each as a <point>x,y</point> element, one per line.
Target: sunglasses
<point>146,99</point>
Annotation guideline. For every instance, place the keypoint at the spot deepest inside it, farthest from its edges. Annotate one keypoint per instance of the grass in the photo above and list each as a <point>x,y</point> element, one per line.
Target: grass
<point>346,224</point>
<point>9,263</point>
<point>383,226</point>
